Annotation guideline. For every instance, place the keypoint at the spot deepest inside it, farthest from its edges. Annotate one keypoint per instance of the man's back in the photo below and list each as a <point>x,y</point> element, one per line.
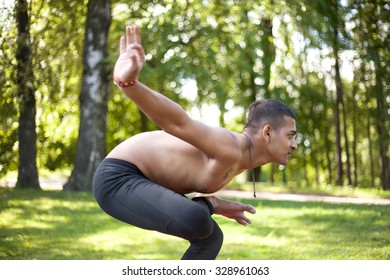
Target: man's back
<point>175,164</point>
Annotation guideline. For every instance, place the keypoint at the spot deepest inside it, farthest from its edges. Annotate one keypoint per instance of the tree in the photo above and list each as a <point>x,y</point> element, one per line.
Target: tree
<point>91,143</point>
<point>242,51</point>
<point>371,42</point>
<point>380,56</point>
<point>57,73</point>
<point>337,28</point>
<point>8,99</point>
<point>27,136</point>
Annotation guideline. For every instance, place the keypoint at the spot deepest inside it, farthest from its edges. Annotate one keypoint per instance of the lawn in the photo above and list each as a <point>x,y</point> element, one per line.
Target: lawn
<point>66,225</point>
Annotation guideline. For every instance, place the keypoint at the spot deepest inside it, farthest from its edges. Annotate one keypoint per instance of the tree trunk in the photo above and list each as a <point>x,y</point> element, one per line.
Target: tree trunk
<point>316,172</point>
<point>91,143</point>
<point>305,177</point>
<point>269,55</point>
<point>339,163</point>
<point>383,133</point>
<point>344,114</point>
<point>339,104</point>
<point>370,154</point>
<point>382,110</point>
<point>328,147</point>
<point>355,182</point>
<point>27,136</point>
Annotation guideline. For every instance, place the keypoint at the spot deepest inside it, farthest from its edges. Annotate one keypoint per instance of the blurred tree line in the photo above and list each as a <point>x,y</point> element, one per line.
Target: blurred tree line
<point>329,60</point>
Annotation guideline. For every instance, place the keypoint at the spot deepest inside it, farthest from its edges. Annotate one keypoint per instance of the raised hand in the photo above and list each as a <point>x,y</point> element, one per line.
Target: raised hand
<point>131,58</point>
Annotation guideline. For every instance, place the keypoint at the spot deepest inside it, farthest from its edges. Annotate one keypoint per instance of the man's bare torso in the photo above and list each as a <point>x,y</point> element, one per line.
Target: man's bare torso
<point>175,164</point>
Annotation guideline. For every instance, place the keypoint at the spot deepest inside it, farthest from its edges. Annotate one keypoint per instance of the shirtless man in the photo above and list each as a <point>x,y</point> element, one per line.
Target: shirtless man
<point>144,180</point>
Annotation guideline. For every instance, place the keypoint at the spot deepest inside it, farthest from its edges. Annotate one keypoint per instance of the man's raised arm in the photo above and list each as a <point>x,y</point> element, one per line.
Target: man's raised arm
<point>217,143</point>
<point>162,111</point>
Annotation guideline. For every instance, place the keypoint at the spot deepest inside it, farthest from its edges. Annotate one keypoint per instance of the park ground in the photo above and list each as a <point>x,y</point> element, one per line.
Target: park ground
<point>52,224</point>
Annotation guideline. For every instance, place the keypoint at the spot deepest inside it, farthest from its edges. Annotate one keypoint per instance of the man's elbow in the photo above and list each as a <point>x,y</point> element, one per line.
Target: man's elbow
<point>177,125</point>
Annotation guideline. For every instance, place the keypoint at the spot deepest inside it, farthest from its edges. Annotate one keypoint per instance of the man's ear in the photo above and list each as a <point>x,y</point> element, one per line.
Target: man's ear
<point>267,129</point>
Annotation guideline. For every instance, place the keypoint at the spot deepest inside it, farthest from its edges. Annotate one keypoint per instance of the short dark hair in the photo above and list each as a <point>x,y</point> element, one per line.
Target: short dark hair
<point>268,111</point>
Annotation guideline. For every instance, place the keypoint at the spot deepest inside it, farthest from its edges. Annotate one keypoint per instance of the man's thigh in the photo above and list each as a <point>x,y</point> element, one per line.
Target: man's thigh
<point>147,205</point>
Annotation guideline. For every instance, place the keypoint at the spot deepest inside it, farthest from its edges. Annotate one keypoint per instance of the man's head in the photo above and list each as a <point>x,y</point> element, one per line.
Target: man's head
<point>268,111</point>
<point>273,123</point>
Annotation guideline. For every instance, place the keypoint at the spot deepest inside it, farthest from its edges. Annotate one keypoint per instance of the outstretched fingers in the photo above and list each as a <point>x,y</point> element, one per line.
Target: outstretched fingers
<point>241,218</point>
<point>137,35</point>
<point>133,35</point>
<point>132,44</point>
<point>250,209</point>
<point>128,39</point>
<point>132,56</point>
<point>129,36</point>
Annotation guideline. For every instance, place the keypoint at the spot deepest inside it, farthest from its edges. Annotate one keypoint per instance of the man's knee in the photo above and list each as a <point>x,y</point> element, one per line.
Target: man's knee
<point>204,230</point>
<point>212,236</point>
<point>201,223</point>
<point>194,223</point>
<point>216,238</point>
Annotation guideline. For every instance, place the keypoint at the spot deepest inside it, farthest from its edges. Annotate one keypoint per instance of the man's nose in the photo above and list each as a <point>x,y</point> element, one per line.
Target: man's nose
<point>294,145</point>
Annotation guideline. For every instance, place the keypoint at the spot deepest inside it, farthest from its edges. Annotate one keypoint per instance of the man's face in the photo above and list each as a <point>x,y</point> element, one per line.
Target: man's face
<point>283,141</point>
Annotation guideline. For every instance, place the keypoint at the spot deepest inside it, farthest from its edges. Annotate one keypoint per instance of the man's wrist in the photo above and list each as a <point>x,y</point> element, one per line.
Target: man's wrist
<point>124,84</point>
<point>213,200</point>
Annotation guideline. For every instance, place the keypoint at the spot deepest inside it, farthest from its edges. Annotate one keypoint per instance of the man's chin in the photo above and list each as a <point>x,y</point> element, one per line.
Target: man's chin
<point>282,162</point>
<point>285,162</point>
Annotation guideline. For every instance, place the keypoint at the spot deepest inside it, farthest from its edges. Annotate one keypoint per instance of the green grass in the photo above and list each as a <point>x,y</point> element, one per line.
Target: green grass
<point>66,225</point>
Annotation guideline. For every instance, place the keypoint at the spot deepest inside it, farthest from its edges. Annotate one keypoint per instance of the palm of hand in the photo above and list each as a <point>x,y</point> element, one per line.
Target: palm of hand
<point>132,56</point>
<point>126,69</point>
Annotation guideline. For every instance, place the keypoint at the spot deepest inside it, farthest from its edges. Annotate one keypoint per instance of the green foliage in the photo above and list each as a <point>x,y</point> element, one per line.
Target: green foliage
<point>65,225</point>
<point>58,61</point>
<point>239,52</point>
<point>57,45</point>
<point>8,99</point>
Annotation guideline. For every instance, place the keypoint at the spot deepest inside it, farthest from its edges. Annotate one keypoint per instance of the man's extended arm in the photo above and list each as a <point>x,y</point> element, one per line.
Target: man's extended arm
<point>168,115</point>
<point>126,71</point>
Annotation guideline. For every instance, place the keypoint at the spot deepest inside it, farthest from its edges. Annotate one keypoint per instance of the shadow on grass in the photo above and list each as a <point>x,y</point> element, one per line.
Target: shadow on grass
<point>310,230</point>
<point>68,225</point>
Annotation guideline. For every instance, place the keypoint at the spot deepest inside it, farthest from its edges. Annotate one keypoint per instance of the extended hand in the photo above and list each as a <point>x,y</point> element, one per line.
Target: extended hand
<point>132,56</point>
<point>232,210</point>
